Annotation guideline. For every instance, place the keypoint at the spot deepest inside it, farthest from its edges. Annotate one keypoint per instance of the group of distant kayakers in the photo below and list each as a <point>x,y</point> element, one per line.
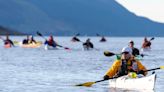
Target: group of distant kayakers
<point>9,43</point>
<point>29,40</point>
<point>75,39</point>
<point>87,45</point>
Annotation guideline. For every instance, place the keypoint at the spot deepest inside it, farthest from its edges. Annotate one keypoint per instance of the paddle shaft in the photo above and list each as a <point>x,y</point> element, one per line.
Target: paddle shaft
<point>60,45</point>
<point>105,80</point>
<point>153,69</point>
<point>41,35</point>
<point>117,77</point>
<point>99,81</point>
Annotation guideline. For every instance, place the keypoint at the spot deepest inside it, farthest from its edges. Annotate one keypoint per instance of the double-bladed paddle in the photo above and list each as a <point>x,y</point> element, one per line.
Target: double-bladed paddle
<point>77,34</point>
<point>108,54</point>
<point>38,33</point>
<point>89,84</point>
<point>152,38</point>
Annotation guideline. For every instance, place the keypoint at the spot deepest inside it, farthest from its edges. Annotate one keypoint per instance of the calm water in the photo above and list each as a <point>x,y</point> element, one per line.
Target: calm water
<point>37,70</point>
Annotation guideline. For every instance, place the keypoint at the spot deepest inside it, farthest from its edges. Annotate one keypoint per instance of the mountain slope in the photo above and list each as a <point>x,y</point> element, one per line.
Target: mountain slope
<point>7,31</point>
<point>67,17</point>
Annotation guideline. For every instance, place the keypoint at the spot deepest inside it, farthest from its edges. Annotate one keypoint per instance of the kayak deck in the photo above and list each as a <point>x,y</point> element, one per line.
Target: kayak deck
<point>47,47</point>
<point>31,45</point>
<point>146,83</point>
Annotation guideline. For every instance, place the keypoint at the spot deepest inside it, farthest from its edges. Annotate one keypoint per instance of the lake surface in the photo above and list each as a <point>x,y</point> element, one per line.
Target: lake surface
<point>38,70</point>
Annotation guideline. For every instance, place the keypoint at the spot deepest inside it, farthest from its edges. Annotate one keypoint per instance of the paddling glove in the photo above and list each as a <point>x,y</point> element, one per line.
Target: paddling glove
<point>106,77</point>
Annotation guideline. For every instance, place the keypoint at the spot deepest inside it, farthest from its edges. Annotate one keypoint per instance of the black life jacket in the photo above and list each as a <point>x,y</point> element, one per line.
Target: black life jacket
<point>135,52</point>
<point>148,44</point>
<point>125,68</point>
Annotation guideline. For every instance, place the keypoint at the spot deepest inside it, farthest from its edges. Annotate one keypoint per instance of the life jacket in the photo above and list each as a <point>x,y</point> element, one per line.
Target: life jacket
<point>7,42</point>
<point>74,39</point>
<point>25,41</point>
<point>146,44</point>
<point>135,52</point>
<point>51,43</point>
<point>88,44</point>
<point>31,41</point>
<point>103,40</point>
<point>126,67</point>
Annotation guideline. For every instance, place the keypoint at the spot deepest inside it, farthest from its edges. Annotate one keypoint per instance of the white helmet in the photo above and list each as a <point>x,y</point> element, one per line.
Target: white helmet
<point>126,49</point>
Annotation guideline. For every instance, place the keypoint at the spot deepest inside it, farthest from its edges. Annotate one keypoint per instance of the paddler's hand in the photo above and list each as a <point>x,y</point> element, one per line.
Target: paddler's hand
<point>106,77</point>
<point>141,72</point>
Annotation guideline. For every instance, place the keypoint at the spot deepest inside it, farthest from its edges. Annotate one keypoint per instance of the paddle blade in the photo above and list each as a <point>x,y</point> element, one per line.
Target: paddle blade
<point>67,48</point>
<point>87,84</point>
<point>152,38</point>
<point>77,34</point>
<point>97,34</point>
<point>142,55</point>
<point>161,67</point>
<point>107,53</point>
<point>38,33</point>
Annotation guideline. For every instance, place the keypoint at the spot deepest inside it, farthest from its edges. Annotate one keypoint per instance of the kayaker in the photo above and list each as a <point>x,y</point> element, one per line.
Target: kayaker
<point>103,39</point>
<point>51,41</point>
<point>146,43</point>
<point>75,39</point>
<point>25,41</point>
<point>135,51</point>
<point>8,41</point>
<point>31,40</point>
<point>88,45</point>
<point>125,65</point>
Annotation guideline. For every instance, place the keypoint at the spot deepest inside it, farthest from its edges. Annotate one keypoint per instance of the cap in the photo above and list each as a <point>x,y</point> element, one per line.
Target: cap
<point>126,49</point>
<point>131,41</point>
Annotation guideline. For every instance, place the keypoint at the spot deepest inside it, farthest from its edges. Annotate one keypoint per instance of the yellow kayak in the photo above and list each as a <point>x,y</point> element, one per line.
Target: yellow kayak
<point>37,45</point>
<point>18,43</point>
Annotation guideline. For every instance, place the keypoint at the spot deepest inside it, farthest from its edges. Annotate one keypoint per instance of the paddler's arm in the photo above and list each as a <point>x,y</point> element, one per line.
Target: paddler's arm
<point>141,68</point>
<point>113,70</point>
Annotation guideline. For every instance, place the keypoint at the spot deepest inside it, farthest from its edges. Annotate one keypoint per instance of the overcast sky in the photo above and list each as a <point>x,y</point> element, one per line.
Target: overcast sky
<point>152,9</point>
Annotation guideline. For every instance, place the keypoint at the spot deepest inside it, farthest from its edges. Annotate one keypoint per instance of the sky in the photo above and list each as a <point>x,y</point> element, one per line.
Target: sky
<point>152,9</point>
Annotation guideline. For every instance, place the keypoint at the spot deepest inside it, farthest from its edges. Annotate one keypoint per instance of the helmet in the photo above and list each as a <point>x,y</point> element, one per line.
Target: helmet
<point>126,49</point>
